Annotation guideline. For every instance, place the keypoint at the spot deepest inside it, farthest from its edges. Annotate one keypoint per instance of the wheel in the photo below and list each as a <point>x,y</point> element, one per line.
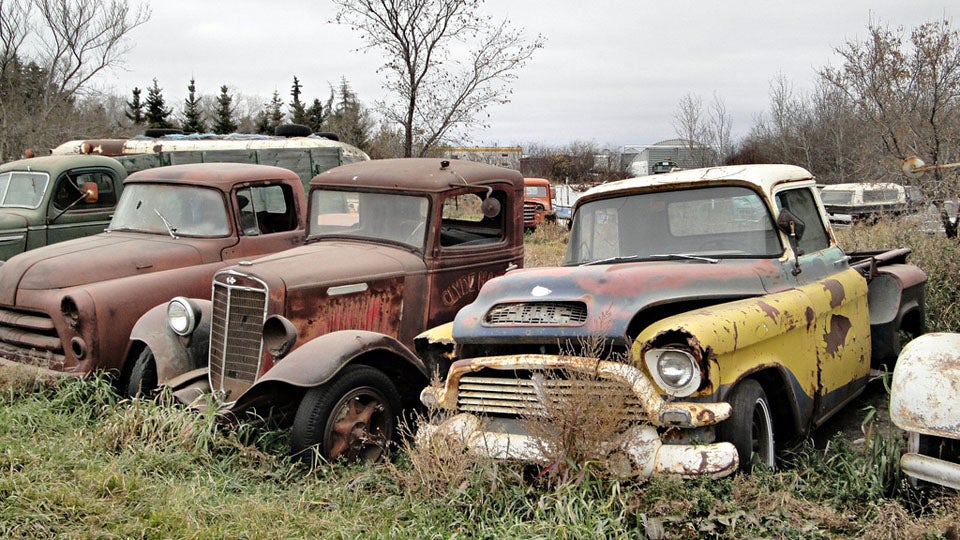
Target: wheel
<point>292,130</point>
<point>750,426</point>
<point>352,417</point>
<point>143,375</point>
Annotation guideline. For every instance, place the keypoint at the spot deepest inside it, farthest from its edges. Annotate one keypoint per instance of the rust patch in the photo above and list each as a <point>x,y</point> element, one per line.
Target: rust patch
<point>837,293</point>
<point>771,311</point>
<point>837,335</point>
<point>707,417</point>
<point>811,316</point>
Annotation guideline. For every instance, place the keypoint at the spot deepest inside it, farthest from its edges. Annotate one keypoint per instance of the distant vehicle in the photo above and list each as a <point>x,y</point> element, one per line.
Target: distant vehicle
<point>292,147</point>
<point>537,202</point>
<point>850,203</point>
<point>665,166</point>
<point>45,200</point>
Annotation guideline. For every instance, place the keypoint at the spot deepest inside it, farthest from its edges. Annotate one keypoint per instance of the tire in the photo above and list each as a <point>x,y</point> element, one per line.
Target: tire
<point>352,417</point>
<point>328,135</point>
<point>154,133</point>
<point>143,376</point>
<point>750,426</point>
<point>292,130</point>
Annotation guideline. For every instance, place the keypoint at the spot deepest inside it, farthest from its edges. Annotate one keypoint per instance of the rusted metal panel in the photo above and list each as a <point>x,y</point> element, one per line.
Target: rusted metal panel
<point>418,174</point>
<point>925,385</point>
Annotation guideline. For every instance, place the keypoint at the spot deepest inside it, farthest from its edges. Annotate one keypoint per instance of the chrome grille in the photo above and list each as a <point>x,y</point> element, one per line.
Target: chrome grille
<point>30,337</point>
<point>538,313</point>
<point>512,396</point>
<point>529,212</point>
<point>235,335</point>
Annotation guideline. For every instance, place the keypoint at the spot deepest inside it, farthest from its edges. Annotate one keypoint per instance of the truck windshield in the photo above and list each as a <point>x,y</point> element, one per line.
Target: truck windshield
<point>377,216</point>
<point>21,189</point>
<point>716,222</point>
<point>187,210</point>
<point>836,196</point>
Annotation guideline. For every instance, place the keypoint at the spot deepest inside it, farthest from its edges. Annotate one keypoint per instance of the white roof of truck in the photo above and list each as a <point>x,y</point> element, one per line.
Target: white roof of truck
<point>764,177</point>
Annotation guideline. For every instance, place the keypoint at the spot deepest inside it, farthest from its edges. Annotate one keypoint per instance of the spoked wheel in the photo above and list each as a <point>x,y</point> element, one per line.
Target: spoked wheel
<point>143,376</point>
<point>353,417</point>
<point>750,426</point>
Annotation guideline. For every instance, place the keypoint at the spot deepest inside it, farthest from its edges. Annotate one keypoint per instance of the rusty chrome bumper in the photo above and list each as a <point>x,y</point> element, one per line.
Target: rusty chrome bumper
<point>506,438</point>
<point>931,469</point>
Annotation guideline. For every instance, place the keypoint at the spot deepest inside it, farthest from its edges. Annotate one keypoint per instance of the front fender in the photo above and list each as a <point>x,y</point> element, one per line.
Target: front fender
<point>318,361</point>
<point>174,355</point>
<point>924,386</point>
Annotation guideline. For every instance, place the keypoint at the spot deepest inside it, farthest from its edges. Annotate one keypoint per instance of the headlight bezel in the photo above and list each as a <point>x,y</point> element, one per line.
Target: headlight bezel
<point>183,316</point>
<point>674,369</point>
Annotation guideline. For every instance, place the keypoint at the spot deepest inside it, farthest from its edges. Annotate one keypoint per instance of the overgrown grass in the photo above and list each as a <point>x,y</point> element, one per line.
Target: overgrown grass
<point>76,461</point>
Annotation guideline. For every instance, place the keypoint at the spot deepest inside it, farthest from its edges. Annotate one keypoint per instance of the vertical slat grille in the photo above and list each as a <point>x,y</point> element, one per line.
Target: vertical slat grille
<point>235,336</point>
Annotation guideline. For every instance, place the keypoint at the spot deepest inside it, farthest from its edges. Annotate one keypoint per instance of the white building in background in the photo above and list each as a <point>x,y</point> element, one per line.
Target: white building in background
<point>505,156</point>
<point>640,160</point>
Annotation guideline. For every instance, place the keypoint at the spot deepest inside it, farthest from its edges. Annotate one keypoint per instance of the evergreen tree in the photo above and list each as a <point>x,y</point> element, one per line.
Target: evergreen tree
<point>224,122</point>
<point>134,111</point>
<point>157,114</point>
<point>349,118</point>
<point>316,116</point>
<point>192,115</point>
<point>272,116</point>
<point>298,113</point>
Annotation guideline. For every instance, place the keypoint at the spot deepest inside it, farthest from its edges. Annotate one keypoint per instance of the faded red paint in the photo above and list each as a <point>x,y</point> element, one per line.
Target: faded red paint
<point>770,311</point>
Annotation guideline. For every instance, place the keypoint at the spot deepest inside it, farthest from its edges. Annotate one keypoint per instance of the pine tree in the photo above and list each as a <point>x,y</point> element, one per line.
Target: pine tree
<point>134,111</point>
<point>192,115</point>
<point>316,116</point>
<point>298,113</point>
<point>272,116</point>
<point>349,119</point>
<point>157,114</point>
<point>224,122</point>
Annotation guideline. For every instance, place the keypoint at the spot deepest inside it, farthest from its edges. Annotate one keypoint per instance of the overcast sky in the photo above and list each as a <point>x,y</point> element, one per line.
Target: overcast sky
<point>611,72</point>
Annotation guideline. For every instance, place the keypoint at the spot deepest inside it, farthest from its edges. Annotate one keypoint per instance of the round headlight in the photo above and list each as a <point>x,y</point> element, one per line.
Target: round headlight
<point>674,370</point>
<point>182,316</point>
<point>675,367</point>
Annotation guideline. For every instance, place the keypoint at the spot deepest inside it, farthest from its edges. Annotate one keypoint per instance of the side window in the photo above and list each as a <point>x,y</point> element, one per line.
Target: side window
<point>266,209</point>
<point>464,223</point>
<point>69,188</point>
<point>804,206</point>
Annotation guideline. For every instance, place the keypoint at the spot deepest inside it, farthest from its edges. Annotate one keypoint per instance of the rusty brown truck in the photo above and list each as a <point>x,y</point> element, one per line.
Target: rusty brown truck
<point>320,337</point>
<point>69,307</point>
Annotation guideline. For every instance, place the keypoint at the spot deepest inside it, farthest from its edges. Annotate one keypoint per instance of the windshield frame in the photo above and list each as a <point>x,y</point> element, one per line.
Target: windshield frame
<point>346,217</point>
<point>6,188</point>
<point>152,214</point>
<point>662,224</point>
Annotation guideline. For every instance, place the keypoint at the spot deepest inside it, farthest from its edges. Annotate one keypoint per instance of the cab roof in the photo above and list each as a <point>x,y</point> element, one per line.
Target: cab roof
<point>416,174</point>
<point>762,177</point>
<point>218,175</point>
<point>55,164</point>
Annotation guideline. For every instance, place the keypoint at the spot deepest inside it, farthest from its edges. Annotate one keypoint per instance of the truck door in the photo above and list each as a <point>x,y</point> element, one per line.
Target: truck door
<point>267,220</point>
<point>841,327</point>
<point>70,215</point>
<point>469,248</point>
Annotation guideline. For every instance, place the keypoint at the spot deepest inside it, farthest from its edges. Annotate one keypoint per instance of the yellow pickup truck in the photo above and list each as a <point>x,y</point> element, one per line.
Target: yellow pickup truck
<point>714,303</point>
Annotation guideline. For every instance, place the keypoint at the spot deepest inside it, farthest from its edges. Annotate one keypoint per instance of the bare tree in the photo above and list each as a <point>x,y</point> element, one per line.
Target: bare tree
<point>51,51</point>
<point>909,94</point>
<point>719,126</point>
<point>690,125</point>
<point>444,62</point>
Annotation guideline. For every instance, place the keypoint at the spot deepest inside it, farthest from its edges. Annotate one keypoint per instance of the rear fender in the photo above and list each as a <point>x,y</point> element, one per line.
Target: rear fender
<point>174,355</point>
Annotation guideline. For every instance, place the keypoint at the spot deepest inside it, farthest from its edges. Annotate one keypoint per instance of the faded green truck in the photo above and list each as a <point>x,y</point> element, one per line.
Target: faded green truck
<point>46,200</point>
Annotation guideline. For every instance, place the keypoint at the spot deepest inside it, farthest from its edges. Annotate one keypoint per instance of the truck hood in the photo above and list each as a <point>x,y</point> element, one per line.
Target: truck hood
<point>333,262</point>
<point>95,258</point>
<point>612,295</point>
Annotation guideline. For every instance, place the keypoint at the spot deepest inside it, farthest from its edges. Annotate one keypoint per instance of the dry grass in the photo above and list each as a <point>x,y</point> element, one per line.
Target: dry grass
<point>545,246</point>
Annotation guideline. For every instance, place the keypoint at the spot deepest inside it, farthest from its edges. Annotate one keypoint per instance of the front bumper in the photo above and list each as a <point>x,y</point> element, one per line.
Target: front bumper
<point>485,430</point>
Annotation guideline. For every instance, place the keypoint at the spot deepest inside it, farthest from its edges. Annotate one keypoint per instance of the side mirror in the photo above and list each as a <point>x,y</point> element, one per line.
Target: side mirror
<point>91,192</point>
<point>793,227</point>
<point>490,207</point>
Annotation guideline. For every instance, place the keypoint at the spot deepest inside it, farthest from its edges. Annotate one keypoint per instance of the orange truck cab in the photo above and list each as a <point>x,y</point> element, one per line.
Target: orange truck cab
<point>537,202</point>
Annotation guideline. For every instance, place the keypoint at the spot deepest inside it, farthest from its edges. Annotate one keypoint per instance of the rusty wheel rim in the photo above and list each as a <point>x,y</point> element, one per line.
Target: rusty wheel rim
<point>359,426</point>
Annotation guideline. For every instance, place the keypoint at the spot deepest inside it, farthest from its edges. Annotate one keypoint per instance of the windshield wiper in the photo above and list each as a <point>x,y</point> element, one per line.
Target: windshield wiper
<point>710,260</point>
<point>617,259</point>
<point>170,228</point>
